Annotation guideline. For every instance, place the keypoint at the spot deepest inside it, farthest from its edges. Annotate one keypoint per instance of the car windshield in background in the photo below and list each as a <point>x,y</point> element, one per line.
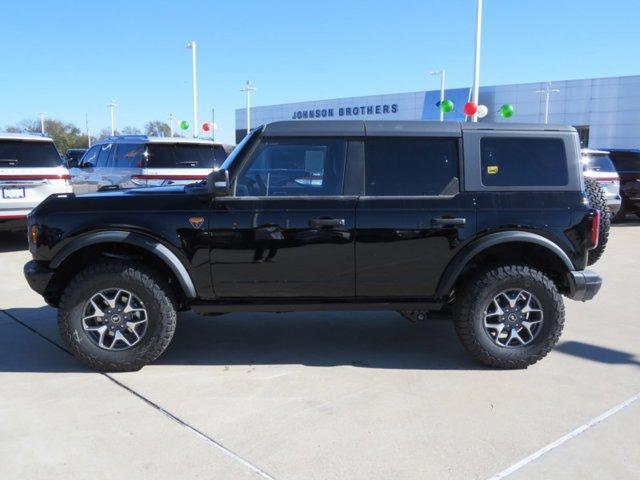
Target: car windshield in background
<point>180,155</point>
<point>25,154</point>
<point>600,163</point>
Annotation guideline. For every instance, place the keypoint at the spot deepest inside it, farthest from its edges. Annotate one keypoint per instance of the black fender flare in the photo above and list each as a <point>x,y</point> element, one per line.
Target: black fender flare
<point>150,244</point>
<point>457,264</point>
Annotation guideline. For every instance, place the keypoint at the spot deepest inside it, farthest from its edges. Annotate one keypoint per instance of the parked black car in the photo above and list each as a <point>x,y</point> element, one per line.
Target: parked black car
<point>489,220</point>
<point>73,155</point>
<point>627,163</point>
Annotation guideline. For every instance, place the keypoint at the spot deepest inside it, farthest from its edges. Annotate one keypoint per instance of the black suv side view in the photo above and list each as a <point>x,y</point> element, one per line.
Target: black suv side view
<point>488,221</point>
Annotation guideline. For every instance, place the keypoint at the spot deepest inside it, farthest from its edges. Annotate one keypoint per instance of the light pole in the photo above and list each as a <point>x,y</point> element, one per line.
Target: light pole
<point>42,123</point>
<point>112,105</point>
<point>192,46</point>
<point>86,124</point>
<point>547,93</point>
<point>442,75</point>
<point>476,58</point>
<point>248,89</point>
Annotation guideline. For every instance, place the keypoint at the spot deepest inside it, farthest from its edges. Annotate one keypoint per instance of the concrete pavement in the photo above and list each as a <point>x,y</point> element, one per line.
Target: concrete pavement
<point>322,395</point>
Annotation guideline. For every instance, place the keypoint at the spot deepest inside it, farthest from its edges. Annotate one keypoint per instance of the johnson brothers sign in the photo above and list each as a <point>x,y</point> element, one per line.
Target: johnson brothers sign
<point>346,111</point>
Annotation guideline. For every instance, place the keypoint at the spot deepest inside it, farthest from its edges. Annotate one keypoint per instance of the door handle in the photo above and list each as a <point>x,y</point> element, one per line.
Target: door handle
<point>327,222</point>
<point>448,222</point>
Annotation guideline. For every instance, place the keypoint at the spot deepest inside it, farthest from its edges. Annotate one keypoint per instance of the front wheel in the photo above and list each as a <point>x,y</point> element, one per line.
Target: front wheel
<point>509,317</point>
<point>116,316</point>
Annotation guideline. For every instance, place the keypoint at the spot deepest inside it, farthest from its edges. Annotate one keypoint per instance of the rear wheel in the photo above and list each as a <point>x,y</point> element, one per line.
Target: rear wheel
<point>116,316</point>
<point>509,317</point>
<point>598,200</point>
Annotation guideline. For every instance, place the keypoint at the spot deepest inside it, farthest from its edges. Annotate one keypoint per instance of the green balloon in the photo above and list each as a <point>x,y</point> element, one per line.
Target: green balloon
<point>506,110</point>
<point>446,106</point>
<point>184,125</point>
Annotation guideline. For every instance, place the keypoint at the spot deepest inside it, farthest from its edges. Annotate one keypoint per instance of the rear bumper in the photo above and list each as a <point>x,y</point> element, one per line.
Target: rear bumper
<point>38,276</point>
<point>583,285</point>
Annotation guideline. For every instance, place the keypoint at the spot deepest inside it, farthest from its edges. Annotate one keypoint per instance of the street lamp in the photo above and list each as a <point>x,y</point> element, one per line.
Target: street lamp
<point>42,123</point>
<point>442,75</point>
<point>86,124</point>
<point>248,89</point>
<point>171,124</point>
<point>112,105</point>
<point>476,59</point>
<point>192,46</point>
<point>547,92</point>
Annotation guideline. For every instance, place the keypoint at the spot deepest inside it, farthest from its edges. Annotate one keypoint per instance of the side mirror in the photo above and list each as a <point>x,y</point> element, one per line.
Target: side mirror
<point>86,165</point>
<point>218,183</point>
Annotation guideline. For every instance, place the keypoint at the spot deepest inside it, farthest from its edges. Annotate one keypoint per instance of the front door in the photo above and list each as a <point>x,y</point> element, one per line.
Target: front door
<point>412,218</point>
<point>288,230</point>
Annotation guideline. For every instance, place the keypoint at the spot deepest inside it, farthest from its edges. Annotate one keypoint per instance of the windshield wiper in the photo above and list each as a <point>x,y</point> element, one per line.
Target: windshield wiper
<point>10,161</point>
<point>195,164</point>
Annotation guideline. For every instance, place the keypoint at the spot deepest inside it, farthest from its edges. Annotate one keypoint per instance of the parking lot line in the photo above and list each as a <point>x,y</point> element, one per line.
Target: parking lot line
<point>565,438</point>
<point>211,441</point>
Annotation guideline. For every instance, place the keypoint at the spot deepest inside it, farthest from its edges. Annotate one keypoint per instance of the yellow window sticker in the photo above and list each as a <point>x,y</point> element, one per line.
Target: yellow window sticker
<point>492,169</point>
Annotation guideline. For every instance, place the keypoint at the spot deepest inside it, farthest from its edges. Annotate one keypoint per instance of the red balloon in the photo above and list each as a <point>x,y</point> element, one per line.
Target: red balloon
<point>470,109</point>
<point>206,127</point>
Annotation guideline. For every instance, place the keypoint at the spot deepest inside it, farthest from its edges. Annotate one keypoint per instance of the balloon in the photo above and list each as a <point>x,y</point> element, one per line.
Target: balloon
<point>506,110</point>
<point>184,125</point>
<point>446,106</point>
<point>470,109</point>
<point>482,111</point>
<point>206,127</point>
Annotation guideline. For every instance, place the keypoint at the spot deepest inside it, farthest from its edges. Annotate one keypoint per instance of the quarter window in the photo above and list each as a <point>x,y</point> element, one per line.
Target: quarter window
<point>523,162</point>
<point>411,167</point>
<point>288,167</point>
<point>128,155</point>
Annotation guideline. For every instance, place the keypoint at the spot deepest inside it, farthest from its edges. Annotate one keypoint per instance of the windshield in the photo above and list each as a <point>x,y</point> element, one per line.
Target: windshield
<point>599,163</point>
<point>227,165</point>
<point>180,155</point>
<point>25,154</point>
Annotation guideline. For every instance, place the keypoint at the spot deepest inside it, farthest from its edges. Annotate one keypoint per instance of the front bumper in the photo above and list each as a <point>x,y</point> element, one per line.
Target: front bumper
<point>38,276</point>
<point>583,285</point>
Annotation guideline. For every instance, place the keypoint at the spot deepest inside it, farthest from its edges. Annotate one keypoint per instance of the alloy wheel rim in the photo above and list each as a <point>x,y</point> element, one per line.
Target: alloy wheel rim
<point>513,318</point>
<point>114,319</point>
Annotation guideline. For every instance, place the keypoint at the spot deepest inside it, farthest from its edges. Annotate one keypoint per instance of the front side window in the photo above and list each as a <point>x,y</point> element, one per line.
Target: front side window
<point>91,157</point>
<point>294,167</point>
<point>103,155</point>
<point>523,162</point>
<point>128,155</point>
<point>411,167</point>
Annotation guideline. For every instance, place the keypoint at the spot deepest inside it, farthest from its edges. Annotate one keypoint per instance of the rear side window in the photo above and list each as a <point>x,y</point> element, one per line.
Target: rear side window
<point>523,162</point>
<point>25,154</point>
<point>176,155</point>
<point>128,155</point>
<point>103,155</point>
<point>411,167</point>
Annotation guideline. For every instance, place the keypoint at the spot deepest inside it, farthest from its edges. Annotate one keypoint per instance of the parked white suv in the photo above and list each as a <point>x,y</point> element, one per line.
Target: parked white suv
<point>130,161</point>
<point>30,170</point>
<point>597,165</point>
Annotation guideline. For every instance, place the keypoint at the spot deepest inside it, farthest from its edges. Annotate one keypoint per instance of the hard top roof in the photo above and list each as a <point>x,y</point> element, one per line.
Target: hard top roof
<point>357,128</point>
<point>24,137</point>
<point>148,139</point>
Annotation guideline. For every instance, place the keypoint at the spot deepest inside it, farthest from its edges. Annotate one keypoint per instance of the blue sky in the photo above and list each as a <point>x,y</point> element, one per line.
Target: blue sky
<point>71,58</point>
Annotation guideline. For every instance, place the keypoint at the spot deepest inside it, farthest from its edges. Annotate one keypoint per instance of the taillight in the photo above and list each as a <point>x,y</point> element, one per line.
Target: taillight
<point>595,229</point>
<point>59,180</point>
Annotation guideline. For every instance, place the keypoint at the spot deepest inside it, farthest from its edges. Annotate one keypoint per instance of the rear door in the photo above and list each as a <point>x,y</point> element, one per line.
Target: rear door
<point>288,231</point>
<point>412,217</point>
<point>127,162</point>
<point>99,176</point>
<point>30,171</point>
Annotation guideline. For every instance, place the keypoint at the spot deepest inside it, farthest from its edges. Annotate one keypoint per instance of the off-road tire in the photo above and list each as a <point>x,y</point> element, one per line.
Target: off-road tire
<point>598,200</point>
<point>475,294</point>
<point>143,282</point>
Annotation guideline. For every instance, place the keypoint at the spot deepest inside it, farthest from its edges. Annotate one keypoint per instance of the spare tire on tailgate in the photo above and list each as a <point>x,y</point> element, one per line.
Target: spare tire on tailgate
<point>598,200</point>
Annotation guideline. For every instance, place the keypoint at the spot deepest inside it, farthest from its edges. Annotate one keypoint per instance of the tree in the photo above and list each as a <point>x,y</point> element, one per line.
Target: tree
<point>129,130</point>
<point>157,128</point>
<point>64,135</point>
<point>106,132</point>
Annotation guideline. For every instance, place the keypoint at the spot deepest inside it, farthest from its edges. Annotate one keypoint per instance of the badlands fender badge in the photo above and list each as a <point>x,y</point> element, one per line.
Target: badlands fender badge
<point>196,222</point>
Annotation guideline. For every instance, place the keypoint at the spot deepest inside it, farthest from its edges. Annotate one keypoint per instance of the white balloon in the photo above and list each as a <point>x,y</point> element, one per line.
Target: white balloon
<point>482,111</point>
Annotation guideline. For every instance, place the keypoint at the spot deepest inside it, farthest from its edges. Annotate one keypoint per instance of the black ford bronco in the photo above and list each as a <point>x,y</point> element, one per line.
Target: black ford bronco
<point>488,221</point>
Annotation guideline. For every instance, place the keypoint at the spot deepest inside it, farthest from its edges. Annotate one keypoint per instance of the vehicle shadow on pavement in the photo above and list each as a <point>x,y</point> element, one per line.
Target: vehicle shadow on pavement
<point>360,339</point>
<point>13,242</point>
<point>597,354</point>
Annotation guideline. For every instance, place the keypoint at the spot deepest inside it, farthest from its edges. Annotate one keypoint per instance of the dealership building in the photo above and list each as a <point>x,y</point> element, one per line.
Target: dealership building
<point>606,111</point>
